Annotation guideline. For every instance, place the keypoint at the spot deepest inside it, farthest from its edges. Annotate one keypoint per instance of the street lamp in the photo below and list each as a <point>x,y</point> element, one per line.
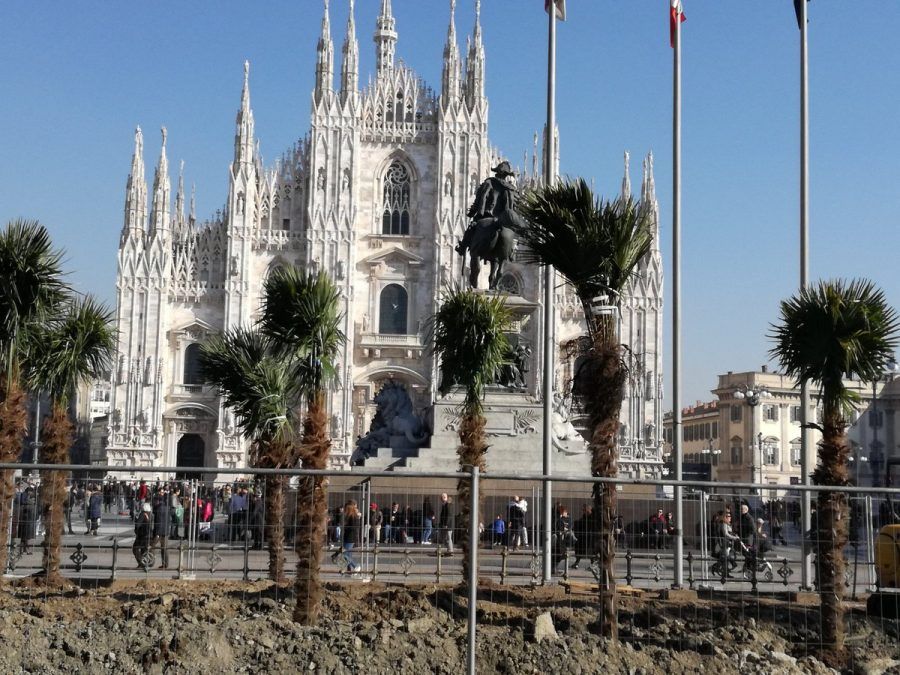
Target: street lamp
<point>877,460</point>
<point>752,396</point>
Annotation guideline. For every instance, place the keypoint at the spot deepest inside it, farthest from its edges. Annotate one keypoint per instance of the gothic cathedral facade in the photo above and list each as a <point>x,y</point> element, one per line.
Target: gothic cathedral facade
<point>376,195</point>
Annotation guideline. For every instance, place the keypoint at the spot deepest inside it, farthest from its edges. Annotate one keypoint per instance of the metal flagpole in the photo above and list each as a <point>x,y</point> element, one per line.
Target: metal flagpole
<point>677,447</point>
<point>806,444</point>
<point>549,282</point>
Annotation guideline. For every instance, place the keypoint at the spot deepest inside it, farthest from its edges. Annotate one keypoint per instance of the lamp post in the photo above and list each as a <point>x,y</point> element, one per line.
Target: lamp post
<point>876,454</point>
<point>753,396</point>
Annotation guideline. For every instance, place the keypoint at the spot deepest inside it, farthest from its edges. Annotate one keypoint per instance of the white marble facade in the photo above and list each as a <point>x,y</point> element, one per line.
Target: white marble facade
<point>376,194</point>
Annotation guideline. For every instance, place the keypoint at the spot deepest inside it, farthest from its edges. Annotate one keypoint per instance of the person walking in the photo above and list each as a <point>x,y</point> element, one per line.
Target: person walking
<point>723,545</point>
<point>563,537</point>
<point>351,525</point>
<point>515,523</point>
<point>162,510</point>
<point>94,511</point>
<point>142,529</point>
<point>71,499</point>
<point>376,518</point>
<point>427,520</point>
<point>499,531</point>
<point>445,524</point>
<point>28,511</point>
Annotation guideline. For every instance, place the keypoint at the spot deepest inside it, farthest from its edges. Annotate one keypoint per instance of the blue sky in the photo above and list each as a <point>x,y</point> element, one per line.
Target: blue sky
<point>78,77</point>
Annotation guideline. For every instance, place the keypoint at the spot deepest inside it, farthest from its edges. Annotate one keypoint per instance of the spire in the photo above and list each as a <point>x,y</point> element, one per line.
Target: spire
<point>451,72</point>
<point>350,65</point>
<point>626,179</point>
<point>192,216</point>
<point>136,191</point>
<point>475,63</point>
<point>159,214</point>
<point>385,38</point>
<point>243,135</point>
<point>179,202</point>
<point>648,198</point>
<point>324,58</point>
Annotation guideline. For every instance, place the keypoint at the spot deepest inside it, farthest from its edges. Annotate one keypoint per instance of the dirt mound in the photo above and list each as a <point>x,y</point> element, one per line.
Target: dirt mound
<point>229,627</point>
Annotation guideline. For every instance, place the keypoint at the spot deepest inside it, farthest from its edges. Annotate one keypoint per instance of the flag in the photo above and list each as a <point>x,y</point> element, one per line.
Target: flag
<point>798,10</point>
<point>674,13</point>
<point>560,8</point>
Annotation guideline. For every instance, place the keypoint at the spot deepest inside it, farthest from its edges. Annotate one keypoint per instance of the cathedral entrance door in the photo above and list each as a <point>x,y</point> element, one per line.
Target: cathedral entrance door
<point>191,449</point>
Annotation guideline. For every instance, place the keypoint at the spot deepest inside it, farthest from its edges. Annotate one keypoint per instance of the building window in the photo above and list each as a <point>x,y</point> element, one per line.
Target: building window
<point>770,413</point>
<point>395,216</point>
<point>192,364</point>
<point>769,451</point>
<point>392,313</point>
<point>795,452</point>
<point>795,413</point>
<point>285,223</point>
<point>715,430</point>
<point>736,413</point>
<point>737,451</point>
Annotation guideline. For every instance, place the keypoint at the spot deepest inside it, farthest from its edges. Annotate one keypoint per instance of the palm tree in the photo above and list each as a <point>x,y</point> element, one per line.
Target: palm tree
<point>255,377</point>
<point>302,313</point>
<point>596,246</point>
<point>469,335</point>
<point>829,331</point>
<point>70,349</point>
<point>31,287</point>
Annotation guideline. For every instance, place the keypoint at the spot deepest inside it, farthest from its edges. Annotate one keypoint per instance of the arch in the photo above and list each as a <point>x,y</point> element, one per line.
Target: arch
<point>396,372</point>
<point>177,410</point>
<point>510,283</point>
<point>393,306</point>
<point>190,455</point>
<point>192,364</point>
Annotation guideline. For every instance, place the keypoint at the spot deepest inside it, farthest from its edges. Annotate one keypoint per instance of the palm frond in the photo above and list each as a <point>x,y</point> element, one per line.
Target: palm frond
<point>594,244</point>
<point>469,335</point>
<point>256,380</point>
<point>302,313</point>
<point>836,329</point>
<point>70,348</point>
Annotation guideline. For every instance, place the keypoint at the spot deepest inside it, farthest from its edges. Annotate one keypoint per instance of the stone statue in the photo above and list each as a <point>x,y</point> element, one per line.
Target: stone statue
<point>394,417</point>
<point>491,235</point>
<point>512,373</point>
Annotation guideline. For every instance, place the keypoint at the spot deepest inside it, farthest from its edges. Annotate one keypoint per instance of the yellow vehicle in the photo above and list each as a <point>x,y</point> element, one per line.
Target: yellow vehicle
<point>886,602</point>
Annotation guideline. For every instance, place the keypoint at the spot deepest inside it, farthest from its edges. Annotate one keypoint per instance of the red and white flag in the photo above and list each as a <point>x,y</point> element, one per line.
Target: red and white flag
<point>560,8</point>
<point>676,11</point>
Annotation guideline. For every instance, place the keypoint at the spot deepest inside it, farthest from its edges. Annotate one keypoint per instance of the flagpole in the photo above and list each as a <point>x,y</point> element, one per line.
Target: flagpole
<point>806,456</point>
<point>549,338</point>
<point>677,446</point>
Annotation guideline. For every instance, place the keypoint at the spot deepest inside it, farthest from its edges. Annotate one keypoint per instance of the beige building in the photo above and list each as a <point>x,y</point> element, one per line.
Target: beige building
<point>699,435</point>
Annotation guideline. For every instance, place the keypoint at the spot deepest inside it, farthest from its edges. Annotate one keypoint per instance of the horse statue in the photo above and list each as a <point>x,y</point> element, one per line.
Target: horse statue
<point>394,416</point>
<point>491,236</point>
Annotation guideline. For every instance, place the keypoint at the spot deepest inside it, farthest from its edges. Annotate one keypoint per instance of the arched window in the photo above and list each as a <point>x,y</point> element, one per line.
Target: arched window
<point>395,216</point>
<point>392,316</point>
<point>192,364</point>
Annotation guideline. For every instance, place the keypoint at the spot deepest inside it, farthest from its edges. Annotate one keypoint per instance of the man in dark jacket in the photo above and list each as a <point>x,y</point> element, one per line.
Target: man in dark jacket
<point>143,526</point>
<point>746,527</point>
<point>94,510</point>
<point>445,523</point>
<point>162,514</point>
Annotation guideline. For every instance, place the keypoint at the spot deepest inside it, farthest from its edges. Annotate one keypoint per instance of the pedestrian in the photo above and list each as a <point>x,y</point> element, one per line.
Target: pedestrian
<point>499,530</point>
<point>584,535</point>
<point>445,524</point>
<point>375,520</point>
<point>723,545</point>
<point>746,526</point>
<point>162,510</point>
<point>257,520</point>
<point>778,530</point>
<point>351,520</point>
<point>563,537</point>
<point>28,511</point>
<point>142,529</point>
<point>515,519</point>
<point>523,525</point>
<point>94,511</point>
<point>176,511</point>
<point>71,498</point>
<point>427,520</point>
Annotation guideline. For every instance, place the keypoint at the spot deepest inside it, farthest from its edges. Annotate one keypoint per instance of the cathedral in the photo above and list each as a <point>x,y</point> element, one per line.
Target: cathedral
<point>375,194</point>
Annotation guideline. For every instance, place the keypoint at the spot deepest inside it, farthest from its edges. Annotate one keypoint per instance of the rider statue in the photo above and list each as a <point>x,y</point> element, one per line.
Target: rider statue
<point>493,196</point>
<point>494,223</point>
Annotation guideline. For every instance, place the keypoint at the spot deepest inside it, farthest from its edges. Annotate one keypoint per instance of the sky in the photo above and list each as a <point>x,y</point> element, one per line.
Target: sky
<point>78,77</point>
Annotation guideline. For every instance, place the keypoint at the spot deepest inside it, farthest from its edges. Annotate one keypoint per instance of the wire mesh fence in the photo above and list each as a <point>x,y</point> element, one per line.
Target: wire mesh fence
<point>396,545</point>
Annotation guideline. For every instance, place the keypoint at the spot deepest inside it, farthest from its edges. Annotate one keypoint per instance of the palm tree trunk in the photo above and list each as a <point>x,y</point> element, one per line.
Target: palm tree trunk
<point>57,440</point>
<point>275,526</point>
<point>312,505</point>
<point>832,531</point>
<point>13,423</point>
<point>471,452</point>
<point>603,386</point>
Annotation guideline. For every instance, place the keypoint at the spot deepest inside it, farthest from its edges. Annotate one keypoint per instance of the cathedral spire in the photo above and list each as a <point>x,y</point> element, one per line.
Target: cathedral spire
<point>179,197</point>
<point>243,136</point>
<point>385,37</point>
<point>648,199</point>
<point>159,215</point>
<point>451,72</point>
<point>350,65</point>
<point>192,214</point>
<point>626,179</point>
<point>324,58</point>
<point>475,63</point>
<point>136,191</point>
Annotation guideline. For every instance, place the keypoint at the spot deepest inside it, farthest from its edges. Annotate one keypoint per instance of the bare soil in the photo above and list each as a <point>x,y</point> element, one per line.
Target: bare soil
<point>233,627</point>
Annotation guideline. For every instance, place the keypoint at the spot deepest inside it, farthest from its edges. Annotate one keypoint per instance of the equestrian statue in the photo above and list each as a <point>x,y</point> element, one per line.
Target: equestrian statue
<point>491,235</point>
